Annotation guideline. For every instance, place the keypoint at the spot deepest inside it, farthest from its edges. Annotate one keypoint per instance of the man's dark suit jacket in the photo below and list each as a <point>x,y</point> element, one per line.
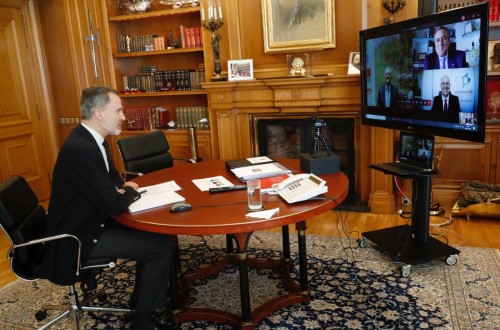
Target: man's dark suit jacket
<point>456,59</point>
<point>83,197</point>
<point>381,96</point>
<point>453,107</point>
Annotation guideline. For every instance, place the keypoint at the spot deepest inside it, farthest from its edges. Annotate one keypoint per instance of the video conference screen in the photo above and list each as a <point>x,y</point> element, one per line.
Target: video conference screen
<point>428,74</point>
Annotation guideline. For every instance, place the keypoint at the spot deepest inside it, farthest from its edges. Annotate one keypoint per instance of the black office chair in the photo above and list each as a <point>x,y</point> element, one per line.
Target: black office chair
<point>150,152</point>
<point>147,152</point>
<point>23,220</point>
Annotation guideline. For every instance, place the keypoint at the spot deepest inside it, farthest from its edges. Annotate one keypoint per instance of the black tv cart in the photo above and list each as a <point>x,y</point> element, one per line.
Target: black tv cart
<point>412,244</point>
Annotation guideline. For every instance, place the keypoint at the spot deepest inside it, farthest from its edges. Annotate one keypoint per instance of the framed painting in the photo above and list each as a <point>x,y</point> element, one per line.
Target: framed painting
<point>239,70</point>
<point>300,25</point>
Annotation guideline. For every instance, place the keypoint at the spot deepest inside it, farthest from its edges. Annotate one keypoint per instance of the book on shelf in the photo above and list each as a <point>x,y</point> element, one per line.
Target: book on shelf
<point>189,37</point>
<point>147,118</point>
<point>190,116</point>
<point>260,171</point>
<point>241,162</point>
<point>152,80</point>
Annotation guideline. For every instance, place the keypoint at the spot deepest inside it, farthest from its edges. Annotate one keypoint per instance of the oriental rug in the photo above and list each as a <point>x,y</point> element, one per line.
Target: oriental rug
<point>351,288</point>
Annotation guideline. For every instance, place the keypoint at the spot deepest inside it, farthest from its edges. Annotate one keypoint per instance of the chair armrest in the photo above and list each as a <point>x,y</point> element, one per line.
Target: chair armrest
<point>45,240</point>
<point>130,175</point>
<point>189,160</point>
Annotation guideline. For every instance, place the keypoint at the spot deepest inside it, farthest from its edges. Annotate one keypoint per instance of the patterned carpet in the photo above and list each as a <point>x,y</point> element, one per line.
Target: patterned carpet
<point>352,288</point>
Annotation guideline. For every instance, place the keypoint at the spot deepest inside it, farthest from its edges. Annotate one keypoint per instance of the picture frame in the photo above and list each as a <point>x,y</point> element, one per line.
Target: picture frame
<point>240,70</point>
<point>493,62</point>
<point>286,30</point>
<point>354,63</point>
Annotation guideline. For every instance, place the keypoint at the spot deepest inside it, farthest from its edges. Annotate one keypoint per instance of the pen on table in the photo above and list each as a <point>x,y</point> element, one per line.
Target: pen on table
<point>142,192</point>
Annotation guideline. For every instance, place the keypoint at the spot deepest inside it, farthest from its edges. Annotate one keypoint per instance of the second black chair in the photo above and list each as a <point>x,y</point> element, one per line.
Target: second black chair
<point>146,153</point>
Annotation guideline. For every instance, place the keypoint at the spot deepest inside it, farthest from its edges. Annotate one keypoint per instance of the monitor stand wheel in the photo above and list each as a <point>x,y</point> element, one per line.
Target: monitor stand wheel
<point>414,252</point>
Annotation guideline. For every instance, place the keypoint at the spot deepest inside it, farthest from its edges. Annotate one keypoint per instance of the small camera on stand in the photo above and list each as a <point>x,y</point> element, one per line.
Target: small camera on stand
<point>313,162</point>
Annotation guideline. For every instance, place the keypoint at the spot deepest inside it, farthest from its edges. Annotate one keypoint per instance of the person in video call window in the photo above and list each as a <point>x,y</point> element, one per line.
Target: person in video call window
<point>444,57</point>
<point>446,102</point>
<point>387,93</point>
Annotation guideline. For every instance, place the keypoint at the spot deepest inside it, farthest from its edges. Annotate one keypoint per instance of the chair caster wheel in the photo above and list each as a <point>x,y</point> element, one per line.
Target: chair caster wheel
<point>452,260</point>
<point>362,242</point>
<point>405,270</point>
<point>41,315</point>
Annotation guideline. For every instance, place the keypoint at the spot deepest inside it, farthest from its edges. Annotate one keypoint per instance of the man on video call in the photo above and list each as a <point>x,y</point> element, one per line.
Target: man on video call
<point>86,191</point>
<point>446,103</point>
<point>444,57</point>
<point>387,93</point>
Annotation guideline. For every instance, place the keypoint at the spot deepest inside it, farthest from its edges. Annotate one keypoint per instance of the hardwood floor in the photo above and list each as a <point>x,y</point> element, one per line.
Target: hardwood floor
<point>476,232</point>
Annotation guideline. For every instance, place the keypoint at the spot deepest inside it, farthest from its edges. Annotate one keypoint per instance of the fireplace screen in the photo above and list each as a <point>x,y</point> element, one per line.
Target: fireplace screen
<point>289,137</point>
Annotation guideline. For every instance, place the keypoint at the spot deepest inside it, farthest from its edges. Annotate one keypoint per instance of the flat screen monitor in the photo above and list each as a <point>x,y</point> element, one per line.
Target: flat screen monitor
<point>428,74</point>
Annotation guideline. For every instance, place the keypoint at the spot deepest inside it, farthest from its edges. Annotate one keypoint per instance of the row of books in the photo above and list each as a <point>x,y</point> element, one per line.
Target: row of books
<point>189,37</point>
<point>494,13</point>
<point>191,116</point>
<point>147,118</point>
<point>161,81</point>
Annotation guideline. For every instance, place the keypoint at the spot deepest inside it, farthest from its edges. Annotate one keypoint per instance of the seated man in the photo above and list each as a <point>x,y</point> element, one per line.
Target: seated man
<point>446,104</point>
<point>444,57</point>
<point>86,191</point>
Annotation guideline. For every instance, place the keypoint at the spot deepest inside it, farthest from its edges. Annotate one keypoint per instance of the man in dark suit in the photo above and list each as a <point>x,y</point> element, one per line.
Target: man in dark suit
<point>387,93</point>
<point>86,191</point>
<point>446,103</point>
<point>444,57</point>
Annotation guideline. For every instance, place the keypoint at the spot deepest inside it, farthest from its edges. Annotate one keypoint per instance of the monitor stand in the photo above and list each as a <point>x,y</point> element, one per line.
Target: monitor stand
<point>412,244</point>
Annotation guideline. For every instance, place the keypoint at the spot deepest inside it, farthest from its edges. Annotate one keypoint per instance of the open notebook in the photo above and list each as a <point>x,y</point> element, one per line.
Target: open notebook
<point>416,154</point>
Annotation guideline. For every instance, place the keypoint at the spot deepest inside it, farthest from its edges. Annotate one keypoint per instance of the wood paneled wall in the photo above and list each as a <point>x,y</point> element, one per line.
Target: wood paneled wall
<point>243,38</point>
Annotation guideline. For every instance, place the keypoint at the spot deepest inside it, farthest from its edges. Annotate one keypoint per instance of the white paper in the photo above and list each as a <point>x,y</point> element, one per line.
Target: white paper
<point>147,202</point>
<point>260,171</point>
<point>213,182</point>
<point>159,188</point>
<point>263,214</point>
<point>260,159</point>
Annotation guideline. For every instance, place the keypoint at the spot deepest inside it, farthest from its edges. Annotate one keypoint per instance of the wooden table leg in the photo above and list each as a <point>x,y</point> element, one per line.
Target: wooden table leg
<point>304,281</point>
<point>242,250</point>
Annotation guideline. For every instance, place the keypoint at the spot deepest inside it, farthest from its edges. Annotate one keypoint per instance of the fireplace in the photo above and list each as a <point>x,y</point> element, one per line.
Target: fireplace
<point>289,136</point>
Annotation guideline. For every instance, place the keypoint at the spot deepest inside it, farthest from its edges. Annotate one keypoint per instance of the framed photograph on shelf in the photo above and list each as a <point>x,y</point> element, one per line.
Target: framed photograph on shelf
<point>300,25</point>
<point>494,57</point>
<point>354,62</point>
<point>239,70</point>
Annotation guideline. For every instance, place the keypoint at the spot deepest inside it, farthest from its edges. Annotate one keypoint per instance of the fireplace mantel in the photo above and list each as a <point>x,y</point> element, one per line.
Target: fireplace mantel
<point>233,104</point>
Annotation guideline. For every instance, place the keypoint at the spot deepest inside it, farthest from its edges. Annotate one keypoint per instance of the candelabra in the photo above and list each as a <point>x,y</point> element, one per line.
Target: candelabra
<point>212,24</point>
<point>392,6</point>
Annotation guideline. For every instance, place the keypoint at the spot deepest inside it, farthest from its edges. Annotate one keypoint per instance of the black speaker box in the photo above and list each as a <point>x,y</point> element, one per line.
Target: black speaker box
<point>321,164</point>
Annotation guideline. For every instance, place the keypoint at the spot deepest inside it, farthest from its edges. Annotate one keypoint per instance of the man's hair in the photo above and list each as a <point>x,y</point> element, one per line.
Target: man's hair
<point>442,27</point>
<point>94,97</point>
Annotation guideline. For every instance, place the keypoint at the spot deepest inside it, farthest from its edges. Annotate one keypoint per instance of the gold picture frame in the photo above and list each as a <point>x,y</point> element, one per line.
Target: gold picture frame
<point>301,25</point>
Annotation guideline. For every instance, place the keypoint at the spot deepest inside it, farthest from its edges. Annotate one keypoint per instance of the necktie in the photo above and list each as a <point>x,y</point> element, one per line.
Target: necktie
<point>106,149</point>
<point>387,96</point>
<point>445,107</point>
<point>442,64</point>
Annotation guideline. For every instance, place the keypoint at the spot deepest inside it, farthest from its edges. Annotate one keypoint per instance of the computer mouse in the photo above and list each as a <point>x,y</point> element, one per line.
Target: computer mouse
<point>180,207</point>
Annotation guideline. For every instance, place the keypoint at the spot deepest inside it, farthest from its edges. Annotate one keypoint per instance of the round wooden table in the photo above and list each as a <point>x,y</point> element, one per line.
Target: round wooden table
<point>225,213</point>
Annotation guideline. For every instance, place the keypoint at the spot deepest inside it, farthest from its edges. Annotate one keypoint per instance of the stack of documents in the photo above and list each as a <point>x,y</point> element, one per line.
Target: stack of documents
<point>156,196</point>
<point>260,171</point>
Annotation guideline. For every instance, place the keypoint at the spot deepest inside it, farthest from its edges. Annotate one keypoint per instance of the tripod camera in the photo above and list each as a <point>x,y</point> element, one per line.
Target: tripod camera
<point>319,164</point>
<point>319,138</point>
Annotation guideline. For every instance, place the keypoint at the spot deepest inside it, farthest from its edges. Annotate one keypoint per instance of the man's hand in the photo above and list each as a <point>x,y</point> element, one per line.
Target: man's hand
<point>131,184</point>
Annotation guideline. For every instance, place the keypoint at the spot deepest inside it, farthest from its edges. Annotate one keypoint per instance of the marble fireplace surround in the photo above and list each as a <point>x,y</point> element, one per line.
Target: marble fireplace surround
<point>234,105</point>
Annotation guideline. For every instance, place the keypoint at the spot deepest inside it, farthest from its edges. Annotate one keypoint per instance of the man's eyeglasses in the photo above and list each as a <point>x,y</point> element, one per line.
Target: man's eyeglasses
<point>443,39</point>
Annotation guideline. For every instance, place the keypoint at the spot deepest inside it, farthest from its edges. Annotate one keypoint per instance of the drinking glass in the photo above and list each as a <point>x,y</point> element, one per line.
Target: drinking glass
<point>254,196</point>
